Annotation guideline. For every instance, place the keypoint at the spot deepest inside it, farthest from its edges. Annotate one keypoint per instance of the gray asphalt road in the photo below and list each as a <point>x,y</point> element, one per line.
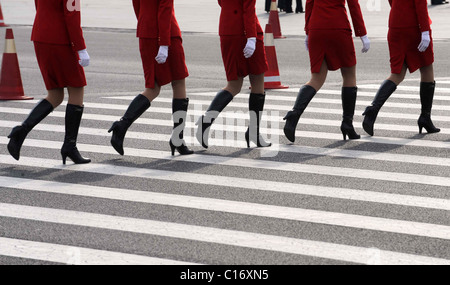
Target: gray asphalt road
<point>320,201</point>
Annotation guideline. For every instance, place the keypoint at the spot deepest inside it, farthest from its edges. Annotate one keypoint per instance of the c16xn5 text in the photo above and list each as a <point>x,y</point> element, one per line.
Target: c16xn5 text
<point>227,274</point>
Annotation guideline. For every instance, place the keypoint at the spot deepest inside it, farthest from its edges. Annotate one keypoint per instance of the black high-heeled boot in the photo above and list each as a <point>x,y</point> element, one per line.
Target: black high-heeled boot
<point>179,112</point>
<point>255,107</point>
<point>426,99</point>
<point>222,99</point>
<point>19,133</point>
<point>119,128</point>
<point>69,148</point>
<point>386,89</point>
<point>304,96</point>
<point>348,96</point>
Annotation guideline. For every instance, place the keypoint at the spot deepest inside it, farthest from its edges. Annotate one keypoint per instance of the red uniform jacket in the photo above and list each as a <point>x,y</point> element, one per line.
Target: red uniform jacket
<point>58,22</point>
<point>156,20</point>
<point>238,17</point>
<point>409,13</point>
<point>332,15</point>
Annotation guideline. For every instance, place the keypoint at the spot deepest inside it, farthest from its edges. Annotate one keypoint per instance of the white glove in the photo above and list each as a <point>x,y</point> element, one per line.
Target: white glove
<point>425,41</point>
<point>306,43</point>
<point>250,47</point>
<point>366,44</point>
<point>84,58</point>
<point>163,53</point>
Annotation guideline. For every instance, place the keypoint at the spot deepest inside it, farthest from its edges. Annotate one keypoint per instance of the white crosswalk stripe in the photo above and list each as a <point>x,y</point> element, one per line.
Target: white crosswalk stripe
<point>343,202</point>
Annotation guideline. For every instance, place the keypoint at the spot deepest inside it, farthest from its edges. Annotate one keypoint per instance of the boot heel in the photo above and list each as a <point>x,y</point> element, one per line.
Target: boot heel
<point>344,134</point>
<point>172,147</point>
<point>64,157</point>
<point>247,138</point>
<point>113,127</point>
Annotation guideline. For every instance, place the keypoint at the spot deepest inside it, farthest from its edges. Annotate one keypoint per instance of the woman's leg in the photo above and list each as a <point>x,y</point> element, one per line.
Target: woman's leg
<point>220,101</point>
<point>305,95</point>
<point>256,107</point>
<point>384,92</point>
<point>136,108</point>
<point>74,112</point>
<point>40,111</point>
<point>427,87</point>
<point>348,96</point>
<point>179,113</point>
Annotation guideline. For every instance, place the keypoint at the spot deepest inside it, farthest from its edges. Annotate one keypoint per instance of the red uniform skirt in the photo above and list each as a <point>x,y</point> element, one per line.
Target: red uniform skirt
<point>234,61</point>
<point>336,47</point>
<point>59,66</point>
<point>173,69</point>
<point>403,44</point>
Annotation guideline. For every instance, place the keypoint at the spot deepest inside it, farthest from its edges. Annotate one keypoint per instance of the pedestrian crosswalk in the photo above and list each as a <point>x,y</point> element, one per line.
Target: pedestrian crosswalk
<point>322,200</point>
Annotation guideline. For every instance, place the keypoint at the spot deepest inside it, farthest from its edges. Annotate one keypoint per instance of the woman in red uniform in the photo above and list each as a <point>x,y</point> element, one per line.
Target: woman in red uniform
<point>163,60</point>
<point>330,44</point>
<point>61,55</point>
<point>243,53</point>
<point>410,47</point>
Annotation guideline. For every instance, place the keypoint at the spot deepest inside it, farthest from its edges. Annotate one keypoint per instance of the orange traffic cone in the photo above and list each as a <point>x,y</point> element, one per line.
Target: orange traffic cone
<point>272,76</point>
<point>11,87</point>
<point>2,22</point>
<point>274,20</point>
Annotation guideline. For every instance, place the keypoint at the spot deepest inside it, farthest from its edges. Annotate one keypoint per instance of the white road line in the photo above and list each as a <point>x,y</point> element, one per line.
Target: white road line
<point>203,104</point>
<point>262,185</point>
<point>243,162</point>
<point>237,122</point>
<point>368,155</point>
<point>206,103</point>
<point>236,115</point>
<point>75,255</point>
<point>405,88</point>
<point>221,236</point>
<point>276,97</point>
<point>191,140</point>
<point>220,205</point>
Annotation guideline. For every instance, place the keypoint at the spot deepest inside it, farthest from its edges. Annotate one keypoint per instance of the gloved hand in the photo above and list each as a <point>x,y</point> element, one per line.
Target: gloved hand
<point>250,47</point>
<point>84,58</point>
<point>366,44</point>
<point>163,53</point>
<point>425,43</point>
<point>306,43</point>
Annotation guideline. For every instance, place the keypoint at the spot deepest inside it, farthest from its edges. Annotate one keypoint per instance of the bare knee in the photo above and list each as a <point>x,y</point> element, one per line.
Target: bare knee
<point>151,93</point>
<point>55,97</point>
<point>427,73</point>
<point>348,76</point>
<point>234,86</point>
<point>179,89</point>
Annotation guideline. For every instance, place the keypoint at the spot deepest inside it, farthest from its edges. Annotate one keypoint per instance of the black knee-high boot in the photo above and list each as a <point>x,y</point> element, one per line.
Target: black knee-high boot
<point>222,99</point>
<point>179,113</point>
<point>19,133</point>
<point>255,106</point>
<point>386,89</point>
<point>69,148</point>
<point>304,96</point>
<point>349,95</point>
<point>119,128</point>
<point>426,99</point>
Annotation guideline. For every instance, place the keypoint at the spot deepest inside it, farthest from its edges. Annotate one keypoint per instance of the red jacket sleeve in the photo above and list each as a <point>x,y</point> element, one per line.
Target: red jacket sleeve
<point>357,18</point>
<point>308,11</point>
<point>250,18</point>
<point>220,2</point>
<point>164,21</point>
<point>422,15</point>
<point>137,7</point>
<point>72,17</point>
